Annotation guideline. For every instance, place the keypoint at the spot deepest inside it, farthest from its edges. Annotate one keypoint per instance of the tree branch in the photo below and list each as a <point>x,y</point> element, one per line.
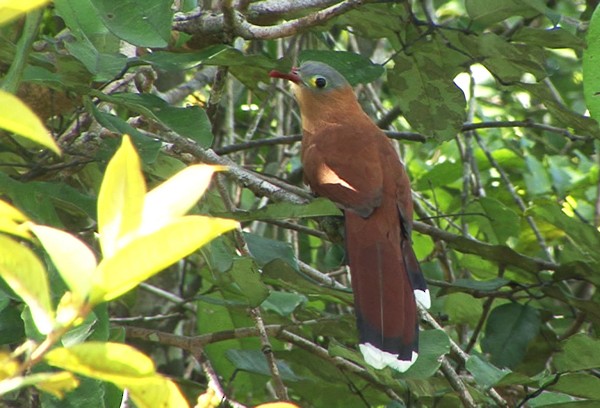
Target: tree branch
<point>212,23</point>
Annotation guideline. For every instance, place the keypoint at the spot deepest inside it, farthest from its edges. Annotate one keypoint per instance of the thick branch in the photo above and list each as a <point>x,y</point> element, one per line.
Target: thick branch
<point>501,254</point>
<point>213,23</point>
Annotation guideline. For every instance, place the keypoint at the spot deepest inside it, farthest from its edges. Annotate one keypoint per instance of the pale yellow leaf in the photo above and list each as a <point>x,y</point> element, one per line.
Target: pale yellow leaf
<point>112,362</point>
<point>10,212</point>
<point>155,392</point>
<point>11,9</point>
<point>149,254</point>
<point>73,259</point>
<point>16,117</point>
<point>25,274</point>
<point>176,196</point>
<point>11,221</point>
<point>56,384</point>
<point>123,366</point>
<point>121,199</point>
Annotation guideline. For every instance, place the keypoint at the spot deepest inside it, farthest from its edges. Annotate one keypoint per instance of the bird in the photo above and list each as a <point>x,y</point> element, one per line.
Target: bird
<point>349,160</point>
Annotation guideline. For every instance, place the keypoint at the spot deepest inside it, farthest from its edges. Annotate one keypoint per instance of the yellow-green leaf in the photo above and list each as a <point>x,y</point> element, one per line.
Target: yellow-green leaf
<point>11,221</point>
<point>73,259</point>
<point>112,362</point>
<point>56,383</point>
<point>10,212</point>
<point>121,199</point>
<point>25,274</point>
<point>123,366</point>
<point>16,117</point>
<point>176,196</point>
<point>149,254</point>
<point>11,9</point>
<point>154,392</point>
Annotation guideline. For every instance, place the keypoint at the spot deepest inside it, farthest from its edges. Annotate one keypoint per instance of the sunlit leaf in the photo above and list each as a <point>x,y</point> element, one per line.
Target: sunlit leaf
<point>591,74</point>
<point>25,274</point>
<point>11,221</point>
<point>149,254</point>
<point>54,383</point>
<point>154,392</point>
<point>120,200</point>
<point>175,197</point>
<point>57,384</point>
<point>73,259</point>
<point>123,366</point>
<point>107,361</point>
<point>11,9</point>
<point>18,118</point>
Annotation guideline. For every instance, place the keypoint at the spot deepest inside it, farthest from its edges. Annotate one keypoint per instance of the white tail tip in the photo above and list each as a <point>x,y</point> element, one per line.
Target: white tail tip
<point>422,296</point>
<point>380,359</point>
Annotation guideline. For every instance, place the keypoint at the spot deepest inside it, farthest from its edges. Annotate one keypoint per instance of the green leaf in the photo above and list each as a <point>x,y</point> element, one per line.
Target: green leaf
<point>254,361</point>
<point>147,255</point>
<point>432,345</point>
<point>73,259</point>
<point>555,37</point>
<point>508,331</point>
<point>537,178</point>
<point>578,384</point>
<point>357,69</point>
<point>507,61</point>
<point>486,13</point>
<point>170,61</point>
<point>16,117</point>
<point>591,73</point>
<point>121,198</point>
<point>484,373</point>
<point>579,352</point>
<point>26,276</point>
<point>584,238</point>
<point>190,122</point>
<point>103,66</point>
<point>463,308</point>
<point>144,24</point>
<point>283,303</point>
<point>123,366</point>
<point>147,148</point>
<point>265,250</point>
<point>497,221</point>
<point>440,175</point>
<point>12,330</point>
<point>425,91</point>
<point>563,115</point>
<point>247,279</point>
<point>41,199</point>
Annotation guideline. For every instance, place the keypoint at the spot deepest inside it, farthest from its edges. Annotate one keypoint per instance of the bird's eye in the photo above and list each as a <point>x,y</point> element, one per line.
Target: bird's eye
<point>320,82</point>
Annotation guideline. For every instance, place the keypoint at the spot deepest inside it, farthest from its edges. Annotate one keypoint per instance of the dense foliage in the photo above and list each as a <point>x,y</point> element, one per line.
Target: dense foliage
<point>494,105</point>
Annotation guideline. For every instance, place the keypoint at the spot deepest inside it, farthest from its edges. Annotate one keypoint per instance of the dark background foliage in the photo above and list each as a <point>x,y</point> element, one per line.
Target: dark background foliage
<point>486,99</point>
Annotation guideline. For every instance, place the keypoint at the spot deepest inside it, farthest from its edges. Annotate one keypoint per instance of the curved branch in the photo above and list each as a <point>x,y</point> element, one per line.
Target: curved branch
<point>213,23</point>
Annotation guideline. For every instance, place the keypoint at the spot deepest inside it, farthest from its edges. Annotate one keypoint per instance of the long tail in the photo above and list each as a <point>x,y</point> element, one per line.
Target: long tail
<point>385,272</point>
